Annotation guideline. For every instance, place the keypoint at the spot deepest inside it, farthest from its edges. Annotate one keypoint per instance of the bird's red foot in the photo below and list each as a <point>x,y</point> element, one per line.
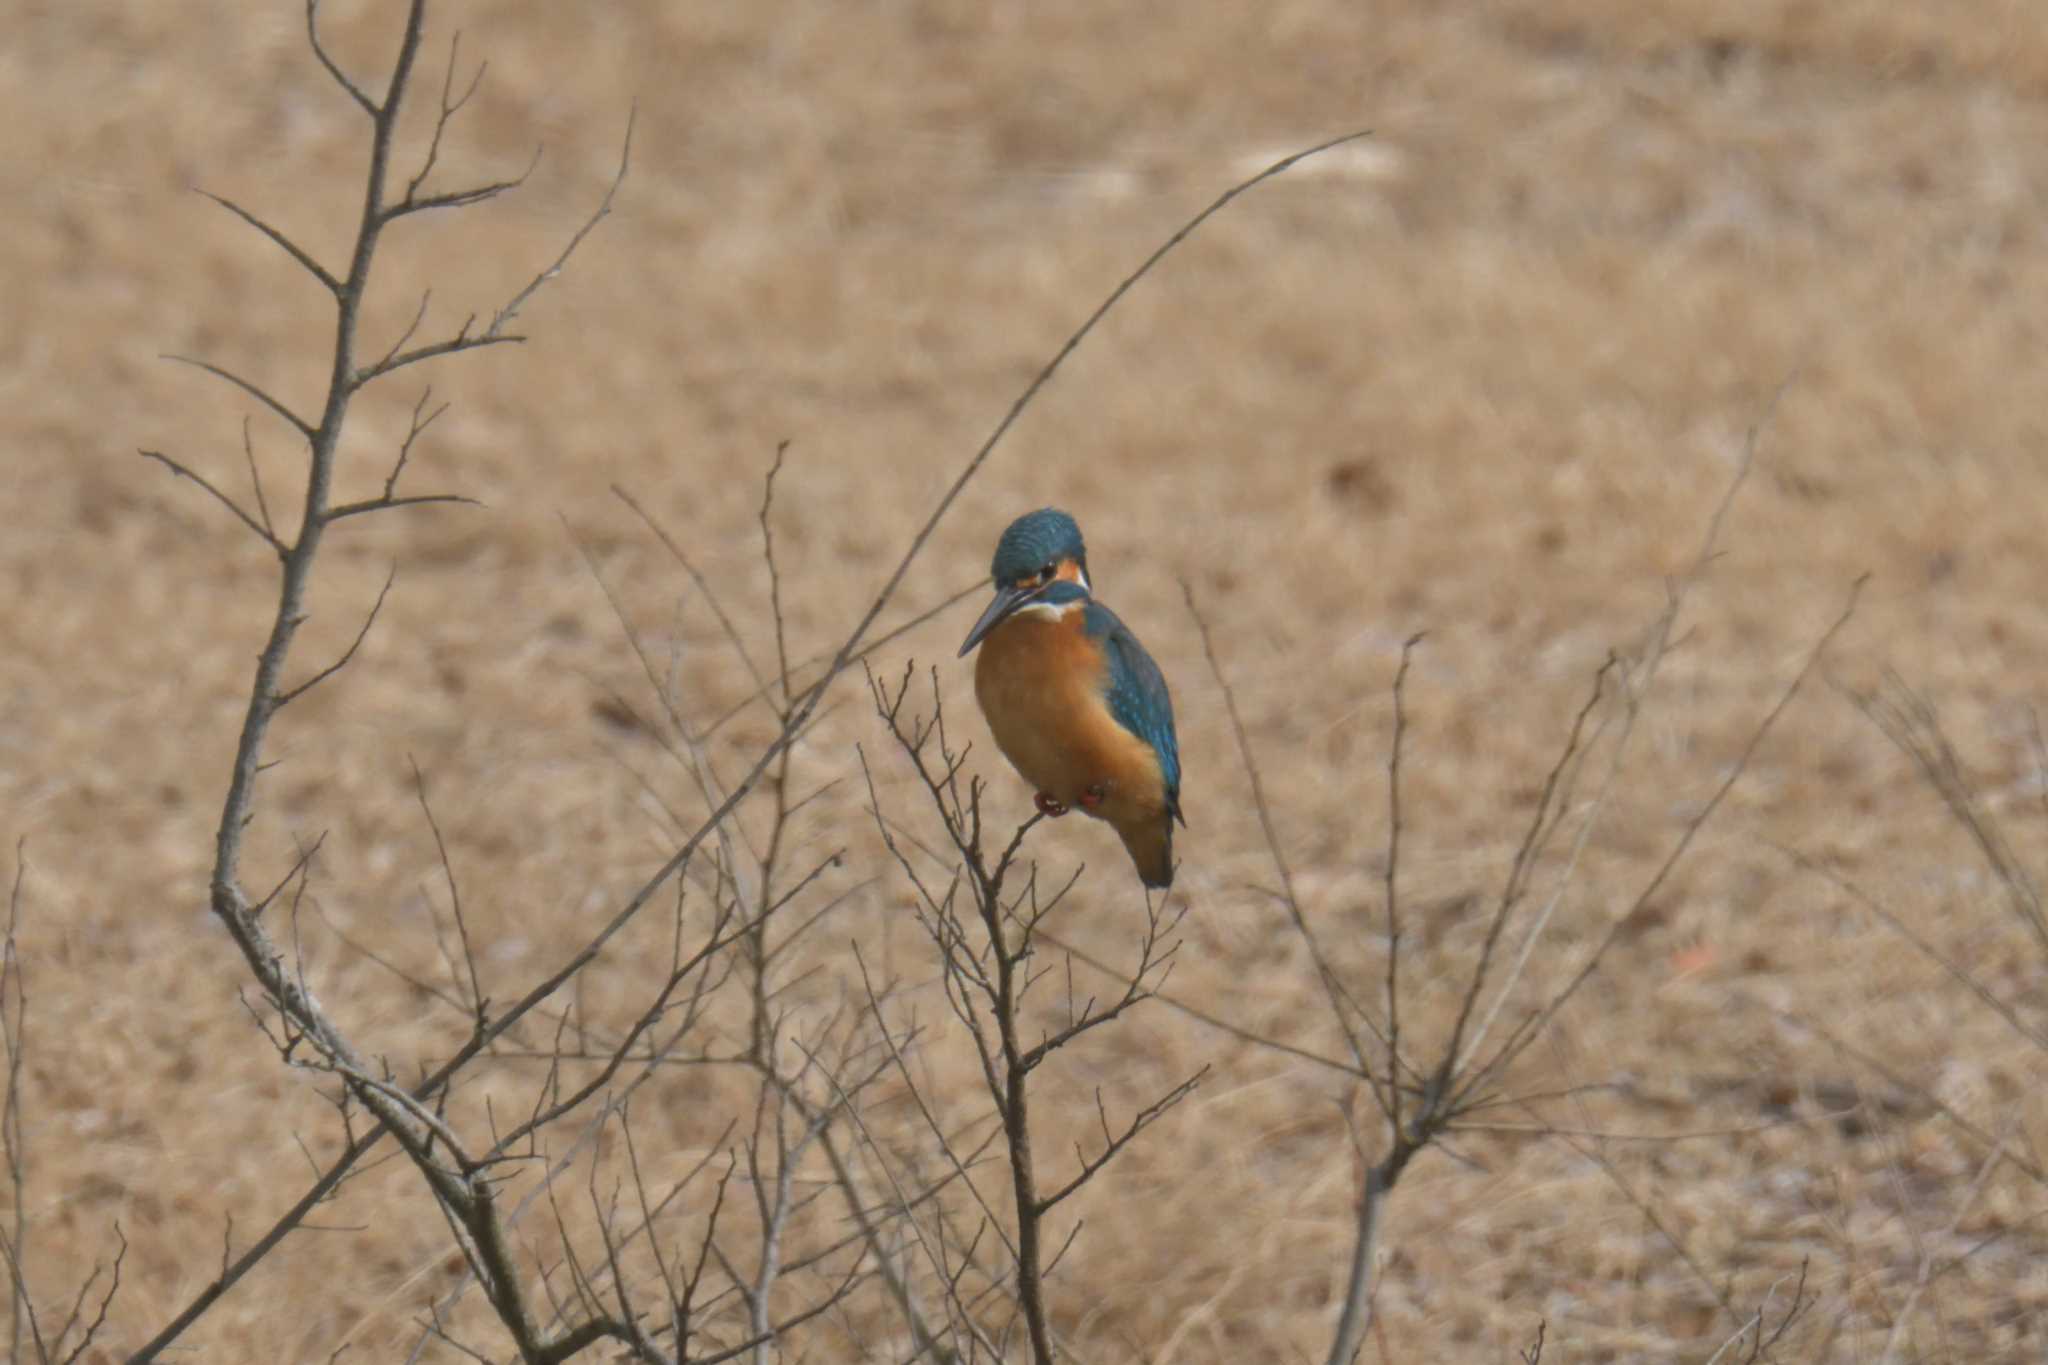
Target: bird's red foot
<point>1095,796</point>
<point>1050,805</point>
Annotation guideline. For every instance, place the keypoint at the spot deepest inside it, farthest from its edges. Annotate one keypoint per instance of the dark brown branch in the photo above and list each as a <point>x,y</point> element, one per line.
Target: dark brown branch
<point>1924,945</point>
<point>703,585</point>
<point>462,198</point>
<point>478,1002</point>
<point>1342,1007</point>
<point>1542,822</point>
<point>285,699</point>
<point>354,91</point>
<point>289,247</point>
<point>298,870</point>
<point>382,504</point>
<point>604,209</point>
<point>461,341</point>
<point>1532,1027</point>
<point>774,572</point>
<point>419,315</point>
<point>413,432</point>
<point>256,478</point>
<point>1590,1151</point>
<point>449,109</point>
<point>99,1320</point>
<point>1393,1005</point>
<point>1202,1016</point>
<point>298,423</point>
<point>1909,721</point>
<point>14,1031</point>
<point>2012,1152</point>
<point>1114,1143</point>
<point>262,531</point>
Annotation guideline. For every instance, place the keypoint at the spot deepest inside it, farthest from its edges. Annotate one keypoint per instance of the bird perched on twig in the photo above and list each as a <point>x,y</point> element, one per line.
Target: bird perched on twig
<point>1074,701</point>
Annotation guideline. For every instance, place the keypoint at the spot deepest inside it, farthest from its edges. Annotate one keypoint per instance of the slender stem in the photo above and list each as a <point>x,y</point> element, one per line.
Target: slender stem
<point>326,438</point>
<point>1017,1130</point>
<point>1356,1319</point>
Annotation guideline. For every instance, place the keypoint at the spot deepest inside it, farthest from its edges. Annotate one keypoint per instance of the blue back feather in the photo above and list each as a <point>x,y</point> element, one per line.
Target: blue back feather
<point>1137,693</point>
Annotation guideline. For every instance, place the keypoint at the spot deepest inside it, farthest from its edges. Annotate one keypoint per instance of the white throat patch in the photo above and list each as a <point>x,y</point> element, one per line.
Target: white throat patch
<point>1051,611</point>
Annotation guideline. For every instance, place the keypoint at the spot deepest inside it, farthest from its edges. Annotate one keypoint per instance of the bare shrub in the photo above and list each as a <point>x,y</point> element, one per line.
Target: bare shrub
<point>806,1212</point>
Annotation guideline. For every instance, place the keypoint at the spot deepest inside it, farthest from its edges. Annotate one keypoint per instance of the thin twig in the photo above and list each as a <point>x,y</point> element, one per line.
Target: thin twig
<point>1342,1008</point>
<point>285,699</point>
<point>261,528</point>
<point>290,248</point>
<point>1526,1032</point>
<point>14,1033</point>
<point>1393,1001</point>
<point>255,391</point>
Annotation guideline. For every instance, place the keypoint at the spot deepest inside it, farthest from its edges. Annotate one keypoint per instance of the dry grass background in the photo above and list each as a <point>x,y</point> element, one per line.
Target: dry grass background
<point>1484,375</point>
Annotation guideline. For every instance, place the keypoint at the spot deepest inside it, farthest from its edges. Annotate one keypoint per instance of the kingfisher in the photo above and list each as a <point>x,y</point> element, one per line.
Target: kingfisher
<point>1074,701</point>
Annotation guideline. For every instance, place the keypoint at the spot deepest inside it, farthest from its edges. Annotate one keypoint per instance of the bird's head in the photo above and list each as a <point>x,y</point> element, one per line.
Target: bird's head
<point>1038,550</point>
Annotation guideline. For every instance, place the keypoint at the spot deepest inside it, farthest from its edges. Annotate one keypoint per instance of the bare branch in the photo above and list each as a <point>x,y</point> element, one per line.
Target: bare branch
<point>1212,1020</point>
<point>1753,1328</point>
<point>774,572</point>
<point>1926,946</point>
<point>1393,1001</point>
<point>413,432</point>
<point>99,1318</point>
<point>285,699</point>
<point>1519,1039</point>
<point>313,39</point>
<point>290,248</point>
<point>478,1002</point>
<point>462,198</point>
<point>419,315</point>
<point>1543,822</point>
<point>1114,1143</point>
<point>298,423</point>
<point>1909,721</point>
<point>463,340</point>
<point>450,107</point>
<point>604,208</point>
<point>256,479</point>
<point>385,504</point>
<point>1591,1152</point>
<point>1660,640</point>
<point>262,530</point>
<point>298,871</point>
<point>703,584</point>
<point>2012,1152</point>
<point>14,1032</point>
<point>1342,1008</point>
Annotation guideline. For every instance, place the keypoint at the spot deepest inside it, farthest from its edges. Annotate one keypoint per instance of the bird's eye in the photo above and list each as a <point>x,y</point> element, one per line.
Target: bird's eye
<point>1045,575</point>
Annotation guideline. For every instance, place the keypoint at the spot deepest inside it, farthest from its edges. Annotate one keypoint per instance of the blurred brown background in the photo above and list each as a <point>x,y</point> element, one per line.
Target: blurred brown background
<point>1485,374</point>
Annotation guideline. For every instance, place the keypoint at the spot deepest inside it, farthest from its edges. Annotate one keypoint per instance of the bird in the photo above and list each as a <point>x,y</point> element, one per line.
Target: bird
<point>1073,700</point>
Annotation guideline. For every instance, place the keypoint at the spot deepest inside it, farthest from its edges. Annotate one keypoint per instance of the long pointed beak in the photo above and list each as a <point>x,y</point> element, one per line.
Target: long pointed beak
<point>1007,601</point>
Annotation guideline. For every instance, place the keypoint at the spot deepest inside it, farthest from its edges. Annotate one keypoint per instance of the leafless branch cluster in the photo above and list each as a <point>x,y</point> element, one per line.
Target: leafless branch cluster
<point>983,910</point>
<point>30,1336</point>
<point>1424,1089</point>
<point>1758,1334</point>
<point>2007,928</point>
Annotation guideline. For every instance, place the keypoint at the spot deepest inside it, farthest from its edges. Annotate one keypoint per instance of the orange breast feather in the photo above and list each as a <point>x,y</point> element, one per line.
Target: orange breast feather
<point>1039,682</point>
